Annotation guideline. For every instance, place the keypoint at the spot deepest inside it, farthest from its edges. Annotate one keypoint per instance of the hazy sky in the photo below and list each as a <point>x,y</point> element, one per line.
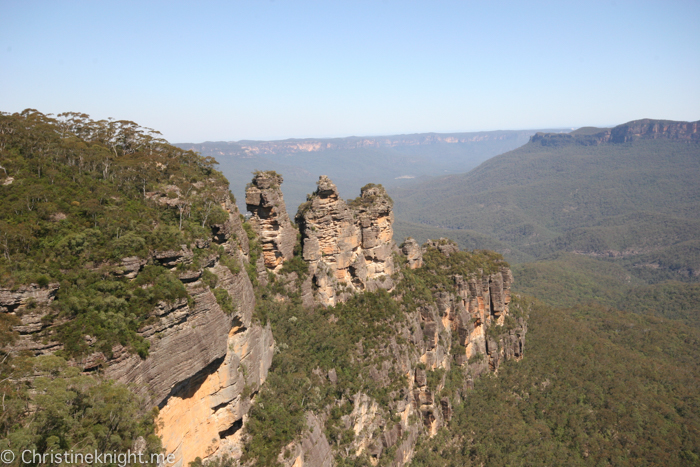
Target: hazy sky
<point>234,70</point>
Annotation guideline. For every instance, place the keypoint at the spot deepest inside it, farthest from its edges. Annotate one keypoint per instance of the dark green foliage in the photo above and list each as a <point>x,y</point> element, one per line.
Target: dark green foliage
<point>557,189</point>
<point>297,265</point>
<point>634,204</point>
<point>304,345</point>
<point>255,252</point>
<point>209,278</point>
<point>435,378</point>
<point>83,195</point>
<point>111,310</point>
<point>673,300</point>
<point>222,296</point>
<point>566,279</point>
<point>231,263</point>
<point>58,409</point>
<point>366,201</point>
<point>596,387</point>
<point>224,300</point>
<point>439,269</point>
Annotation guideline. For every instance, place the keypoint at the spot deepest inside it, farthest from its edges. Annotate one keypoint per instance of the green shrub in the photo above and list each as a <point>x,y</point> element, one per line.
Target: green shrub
<point>224,300</point>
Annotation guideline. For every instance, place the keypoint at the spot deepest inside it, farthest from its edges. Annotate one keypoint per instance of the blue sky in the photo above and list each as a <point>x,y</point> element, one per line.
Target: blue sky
<point>236,70</point>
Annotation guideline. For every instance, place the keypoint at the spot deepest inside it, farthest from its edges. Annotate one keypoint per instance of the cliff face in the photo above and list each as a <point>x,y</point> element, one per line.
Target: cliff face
<point>316,145</point>
<point>213,362</point>
<point>204,363</point>
<point>348,247</point>
<point>270,220</point>
<point>467,328</point>
<point>207,360</point>
<point>631,131</point>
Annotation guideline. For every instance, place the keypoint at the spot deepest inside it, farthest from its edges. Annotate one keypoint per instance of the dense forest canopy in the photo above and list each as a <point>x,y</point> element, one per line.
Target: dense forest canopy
<point>81,195</point>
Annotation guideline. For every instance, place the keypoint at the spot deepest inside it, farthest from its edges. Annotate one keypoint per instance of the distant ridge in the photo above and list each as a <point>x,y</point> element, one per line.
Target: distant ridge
<point>295,145</point>
<point>622,192</point>
<point>631,131</point>
<point>392,160</point>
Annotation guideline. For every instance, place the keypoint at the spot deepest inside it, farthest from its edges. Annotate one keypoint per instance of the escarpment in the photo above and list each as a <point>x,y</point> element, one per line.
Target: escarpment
<point>206,357</point>
<point>645,129</point>
<point>136,266</point>
<point>413,354</point>
<point>348,246</point>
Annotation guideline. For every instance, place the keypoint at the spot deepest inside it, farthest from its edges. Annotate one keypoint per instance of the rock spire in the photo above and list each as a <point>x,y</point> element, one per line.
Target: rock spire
<point>348,245</point>
<point>269,219</point>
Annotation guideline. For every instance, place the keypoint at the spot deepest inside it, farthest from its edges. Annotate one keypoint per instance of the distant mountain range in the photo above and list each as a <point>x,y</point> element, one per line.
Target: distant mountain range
<point>593,213</point>
<point>350,162</point>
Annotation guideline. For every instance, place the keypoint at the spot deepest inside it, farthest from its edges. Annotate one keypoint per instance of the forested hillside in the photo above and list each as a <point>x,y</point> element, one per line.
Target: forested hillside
<point>77,197</point>
<point>597,387</point>
<point>139,312</point>
<point>620,203</point>
<point>535,194</point>
<point>602,224</point>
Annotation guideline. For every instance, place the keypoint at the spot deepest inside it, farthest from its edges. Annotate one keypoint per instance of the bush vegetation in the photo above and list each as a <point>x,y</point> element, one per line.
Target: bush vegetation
<point>620,391</point>
<point>77,196</point>
<point>350,338</point>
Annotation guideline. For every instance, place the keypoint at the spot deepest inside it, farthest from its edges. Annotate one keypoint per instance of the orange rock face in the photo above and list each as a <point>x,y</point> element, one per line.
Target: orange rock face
<point>348,245</point>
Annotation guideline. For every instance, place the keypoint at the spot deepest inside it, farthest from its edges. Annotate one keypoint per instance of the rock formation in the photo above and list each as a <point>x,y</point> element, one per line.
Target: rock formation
<point>270,220</point>
<point>213,363</point>
<point>644,129</point>
<point>413,253</point>
<point>470,326</point>
<point>204,365</point>
<point>348,246</point>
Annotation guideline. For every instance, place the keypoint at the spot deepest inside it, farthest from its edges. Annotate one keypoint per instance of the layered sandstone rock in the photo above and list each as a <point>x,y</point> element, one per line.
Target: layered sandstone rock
<point>348,246</point>
<point>29,305</point>
<point>312,450</point>
<point>471,326</point>
<point>270,219</point>
<point>27,296</point>
<point>216,373</point>
<point>204,414</point>
<point>413,253</point>
<point>186,338</point>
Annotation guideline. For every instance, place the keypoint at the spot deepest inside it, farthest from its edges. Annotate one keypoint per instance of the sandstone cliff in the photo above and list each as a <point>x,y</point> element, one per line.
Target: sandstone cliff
<point>632,131</point>
<point>293,146</point>
<point>348,246</point>
<point>204,362</point>
<point>439,344</point>
<point>208,358</point>
<point>270,220</point>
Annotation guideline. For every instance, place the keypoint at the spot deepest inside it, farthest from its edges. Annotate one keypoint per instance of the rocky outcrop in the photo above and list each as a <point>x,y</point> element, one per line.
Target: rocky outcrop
<point>470,325</point>
<point>29,306</point>
<point>269,219</point>
<point>203,415</point>
<point>348,246</point>
<point>312,451</point>
<point>413,253</point>
<point>655,129</point>
<point>632,131</point>
<point>215,374</point>
<point>231,233</point>
<point>185,339</point>
<point>27,297</point>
